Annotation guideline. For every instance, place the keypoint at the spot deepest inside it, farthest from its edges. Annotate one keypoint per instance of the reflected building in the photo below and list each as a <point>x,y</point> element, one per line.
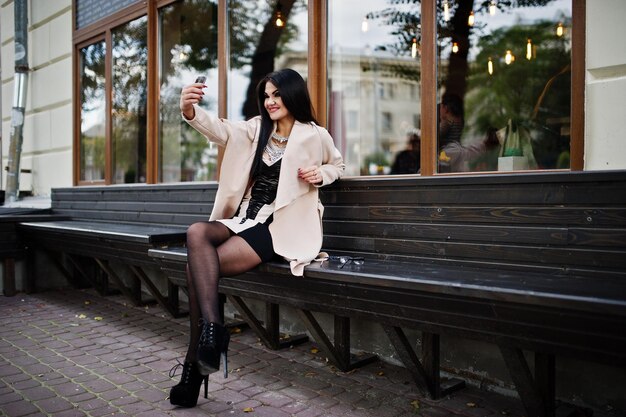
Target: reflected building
<point>374,101</point>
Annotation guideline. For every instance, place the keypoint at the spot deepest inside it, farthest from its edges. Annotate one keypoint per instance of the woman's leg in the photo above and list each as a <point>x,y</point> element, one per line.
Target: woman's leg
<point>211,252</point>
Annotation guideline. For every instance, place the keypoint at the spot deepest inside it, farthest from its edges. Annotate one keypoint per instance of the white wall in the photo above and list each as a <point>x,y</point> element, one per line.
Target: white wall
<point>605,120</point>
<point>47,148</point>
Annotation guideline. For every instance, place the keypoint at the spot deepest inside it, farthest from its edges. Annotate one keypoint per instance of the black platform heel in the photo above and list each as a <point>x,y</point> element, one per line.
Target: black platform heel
<point>213,344</point>
<point>185,393</point>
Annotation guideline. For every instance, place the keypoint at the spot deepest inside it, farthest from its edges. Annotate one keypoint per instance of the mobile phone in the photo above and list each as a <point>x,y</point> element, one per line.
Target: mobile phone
<point>201,79</point>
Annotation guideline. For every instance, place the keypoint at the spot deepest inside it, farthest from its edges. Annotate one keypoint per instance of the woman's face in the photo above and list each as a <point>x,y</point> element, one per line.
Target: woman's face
<point>274,103</point>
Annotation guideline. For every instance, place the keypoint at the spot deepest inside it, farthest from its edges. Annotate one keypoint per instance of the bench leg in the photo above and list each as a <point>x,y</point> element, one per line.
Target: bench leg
<point>31,272</point>
<point>166,303</point>
<point>269,334</point>
<point>8,277</point>
<point>537,394</point>
<point>339,352</point>
<point>128,292</point>
<point>425,373</point>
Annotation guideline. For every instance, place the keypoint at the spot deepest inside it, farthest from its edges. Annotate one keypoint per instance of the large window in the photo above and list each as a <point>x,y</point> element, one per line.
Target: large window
<point>129,102</point>
<point>502,84</point>
<point>188,48</point>
<point>504,81</point>
<point>93,112</point>
<point>374,84</point>
<point>405,87</point>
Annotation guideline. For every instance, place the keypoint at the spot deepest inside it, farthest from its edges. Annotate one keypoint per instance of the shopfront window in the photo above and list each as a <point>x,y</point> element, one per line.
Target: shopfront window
<point>264,37</point>
<point>188,48</point>
<point>504,82</point>
<point>374,85</point>
<point>129,102</point>
<point>93,113</point>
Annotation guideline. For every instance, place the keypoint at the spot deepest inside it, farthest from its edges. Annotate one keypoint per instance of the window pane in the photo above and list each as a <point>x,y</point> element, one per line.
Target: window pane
<point>374,84</point>
<point>259,45</point>
<point>188,48</point>
<point>504,75</point>
<point>92,112</point>
<point>129,102</point>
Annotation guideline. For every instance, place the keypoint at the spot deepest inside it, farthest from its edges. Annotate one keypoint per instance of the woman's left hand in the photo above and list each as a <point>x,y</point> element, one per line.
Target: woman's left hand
<point>311,174</point>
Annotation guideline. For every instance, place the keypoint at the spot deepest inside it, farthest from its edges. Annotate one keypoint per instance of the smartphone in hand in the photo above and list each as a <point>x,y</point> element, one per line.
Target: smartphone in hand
<point>201,79</point>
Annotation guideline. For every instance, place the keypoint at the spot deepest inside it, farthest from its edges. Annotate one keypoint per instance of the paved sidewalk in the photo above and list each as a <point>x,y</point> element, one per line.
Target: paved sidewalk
<point>75,353</point>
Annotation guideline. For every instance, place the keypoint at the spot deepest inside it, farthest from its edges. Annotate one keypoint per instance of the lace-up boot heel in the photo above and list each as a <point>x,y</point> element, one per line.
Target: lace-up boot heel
<point>185,393</point>
<point>213,344</point>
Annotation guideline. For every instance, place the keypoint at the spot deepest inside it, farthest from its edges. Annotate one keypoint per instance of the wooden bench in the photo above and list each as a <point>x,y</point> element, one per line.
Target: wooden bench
<point>11,246</point>
<point>118,223</point>
<point>529,262</point>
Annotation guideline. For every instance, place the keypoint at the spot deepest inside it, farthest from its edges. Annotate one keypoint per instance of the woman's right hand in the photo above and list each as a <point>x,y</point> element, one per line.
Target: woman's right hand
<point>191,94</point>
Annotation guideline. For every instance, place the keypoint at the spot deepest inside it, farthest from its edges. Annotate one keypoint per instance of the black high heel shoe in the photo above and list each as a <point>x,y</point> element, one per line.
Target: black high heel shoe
<point>213,344</point>
<point>185,393</point>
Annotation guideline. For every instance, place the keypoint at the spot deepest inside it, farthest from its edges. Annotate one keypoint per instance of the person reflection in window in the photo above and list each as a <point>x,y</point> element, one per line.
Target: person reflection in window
<point>453,155</point>
<point>451,119</point>
<point>408,160</point>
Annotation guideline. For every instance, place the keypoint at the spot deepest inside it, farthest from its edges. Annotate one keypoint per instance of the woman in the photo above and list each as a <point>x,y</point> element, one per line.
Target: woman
<point>270,210</point>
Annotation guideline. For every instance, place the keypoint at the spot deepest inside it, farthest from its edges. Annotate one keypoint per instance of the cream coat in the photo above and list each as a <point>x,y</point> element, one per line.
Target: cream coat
<point>297,226</point>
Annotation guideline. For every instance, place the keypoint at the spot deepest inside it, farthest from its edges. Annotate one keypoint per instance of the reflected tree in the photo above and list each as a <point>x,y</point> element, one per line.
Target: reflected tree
<point>404,17</point>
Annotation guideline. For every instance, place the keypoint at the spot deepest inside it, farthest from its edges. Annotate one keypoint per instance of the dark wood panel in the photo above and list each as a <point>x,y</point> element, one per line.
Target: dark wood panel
<point>449,232</point>
<point>494,253</point>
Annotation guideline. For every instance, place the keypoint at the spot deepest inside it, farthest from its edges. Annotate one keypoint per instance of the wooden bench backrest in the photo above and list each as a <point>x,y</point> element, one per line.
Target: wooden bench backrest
<point>565,222</point>
<point>163,204</point>
<point>560,222</point>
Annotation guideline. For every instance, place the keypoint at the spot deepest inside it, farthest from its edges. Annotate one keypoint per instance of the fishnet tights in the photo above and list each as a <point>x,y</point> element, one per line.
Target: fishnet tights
<point>212,251</point>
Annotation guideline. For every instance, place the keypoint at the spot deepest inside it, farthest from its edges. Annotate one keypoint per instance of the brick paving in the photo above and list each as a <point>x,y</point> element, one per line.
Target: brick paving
<point>73,353</point>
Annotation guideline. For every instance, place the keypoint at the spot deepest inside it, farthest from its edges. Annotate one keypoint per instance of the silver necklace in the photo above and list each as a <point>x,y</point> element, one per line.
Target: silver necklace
<point>274,152</point>
<point>278,138</point>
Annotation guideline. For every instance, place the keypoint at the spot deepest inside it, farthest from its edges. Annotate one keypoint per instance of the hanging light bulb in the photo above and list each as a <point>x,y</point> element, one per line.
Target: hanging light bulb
<point>559,29</point>
<point>455,47</point>
<point>509,57</point>
<point>490,66</point>
<point>279,19</point>
<point>364,25</point>
<point>414,48</point>
<point>446,11</point>
<point>470,19</point>
<point>492,7</point>
<point>529,50</point>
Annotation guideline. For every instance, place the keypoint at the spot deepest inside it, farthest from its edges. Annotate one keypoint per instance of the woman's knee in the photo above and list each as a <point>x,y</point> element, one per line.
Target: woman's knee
<point>206,233</point>
<point>195,232</point>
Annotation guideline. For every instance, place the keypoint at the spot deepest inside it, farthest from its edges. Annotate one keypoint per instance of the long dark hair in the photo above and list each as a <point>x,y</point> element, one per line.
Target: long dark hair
<point>295,97</point>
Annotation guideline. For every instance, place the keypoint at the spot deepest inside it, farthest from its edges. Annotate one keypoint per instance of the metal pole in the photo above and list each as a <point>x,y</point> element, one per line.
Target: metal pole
<point>1,164</point>
<point>19,99</point>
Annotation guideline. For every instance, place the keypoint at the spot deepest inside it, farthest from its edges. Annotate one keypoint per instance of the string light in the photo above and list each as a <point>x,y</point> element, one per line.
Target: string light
<point>446,11</point>
<point>364,25</point>
<point>490,66</point>
<point>559,29</point>
<point>414,48</point>
<point>509,57</point>
<point>470,19</point>
<point>279,19</point>
<point>455,47</point>
<point>492,7</point>
<point>529,50</point>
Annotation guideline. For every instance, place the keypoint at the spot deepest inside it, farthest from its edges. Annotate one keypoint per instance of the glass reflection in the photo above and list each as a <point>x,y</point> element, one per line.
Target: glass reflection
<point>374,85</point>
<point>93,112</point>
<point>504,82</point>
<point>129,102</point>
<point>264,37</point>
<point>188,48</point>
